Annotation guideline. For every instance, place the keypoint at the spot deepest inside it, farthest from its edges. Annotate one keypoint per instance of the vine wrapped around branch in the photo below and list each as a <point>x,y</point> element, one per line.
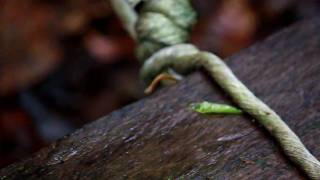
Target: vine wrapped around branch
<point>160,30</point>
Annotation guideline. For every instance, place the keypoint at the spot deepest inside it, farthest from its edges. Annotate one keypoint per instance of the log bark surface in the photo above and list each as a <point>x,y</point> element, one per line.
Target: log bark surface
<point>159,138</point>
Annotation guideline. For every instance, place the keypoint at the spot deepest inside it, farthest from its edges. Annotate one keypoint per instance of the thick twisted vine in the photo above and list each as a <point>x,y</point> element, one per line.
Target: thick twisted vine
<point>160,23</point>
<point>163,23</point>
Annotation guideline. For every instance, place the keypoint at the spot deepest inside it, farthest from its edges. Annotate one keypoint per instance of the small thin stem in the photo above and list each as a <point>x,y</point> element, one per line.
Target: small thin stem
<point>153,85</point>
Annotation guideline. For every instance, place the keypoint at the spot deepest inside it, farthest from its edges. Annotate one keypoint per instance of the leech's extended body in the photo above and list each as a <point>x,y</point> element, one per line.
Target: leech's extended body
<point>214,108</point>
<point>161,47</point>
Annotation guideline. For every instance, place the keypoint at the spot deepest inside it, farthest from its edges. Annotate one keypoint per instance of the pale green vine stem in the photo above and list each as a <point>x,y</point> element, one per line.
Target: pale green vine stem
<point>127,15</point>
<point>161,47</point>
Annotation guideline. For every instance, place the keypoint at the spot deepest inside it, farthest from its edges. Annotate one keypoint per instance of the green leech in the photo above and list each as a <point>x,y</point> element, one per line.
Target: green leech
<point>214,108</point>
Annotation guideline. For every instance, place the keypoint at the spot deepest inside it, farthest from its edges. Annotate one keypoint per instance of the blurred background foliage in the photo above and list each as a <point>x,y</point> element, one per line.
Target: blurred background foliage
<point>66,63</point>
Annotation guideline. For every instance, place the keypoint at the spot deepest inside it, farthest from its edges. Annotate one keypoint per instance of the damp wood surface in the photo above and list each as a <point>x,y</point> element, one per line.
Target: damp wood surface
<point>159,138</point>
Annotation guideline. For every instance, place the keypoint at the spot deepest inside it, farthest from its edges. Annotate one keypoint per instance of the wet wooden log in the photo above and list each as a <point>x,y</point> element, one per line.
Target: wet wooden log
<point>158,137</point>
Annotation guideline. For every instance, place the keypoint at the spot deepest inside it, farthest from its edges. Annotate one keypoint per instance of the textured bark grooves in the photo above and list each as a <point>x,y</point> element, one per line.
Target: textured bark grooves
<point>159,138</point>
